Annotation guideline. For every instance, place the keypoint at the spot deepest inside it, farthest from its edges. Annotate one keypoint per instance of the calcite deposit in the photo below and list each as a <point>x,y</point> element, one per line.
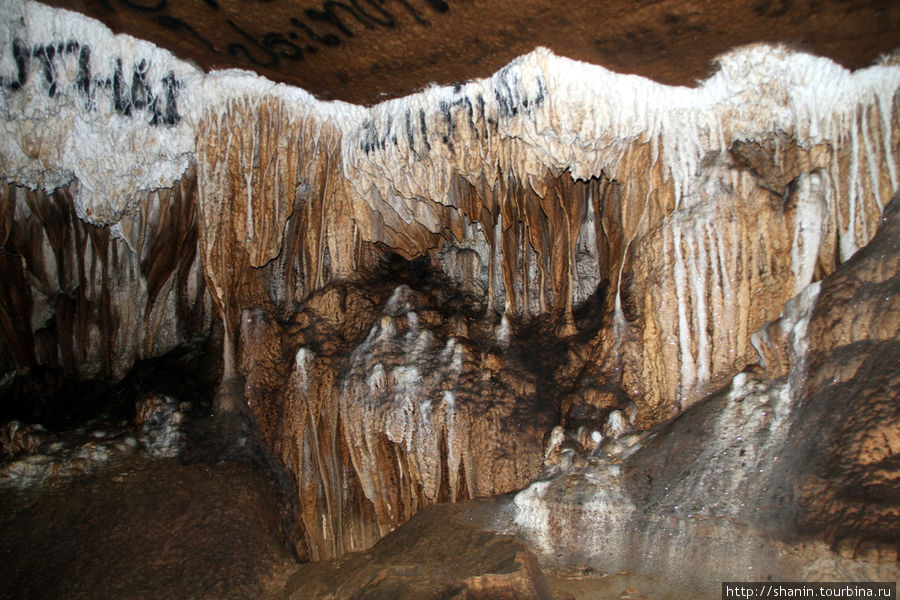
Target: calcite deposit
<point>411,297</point>
<point>784,473</point>
<point>90,300</point>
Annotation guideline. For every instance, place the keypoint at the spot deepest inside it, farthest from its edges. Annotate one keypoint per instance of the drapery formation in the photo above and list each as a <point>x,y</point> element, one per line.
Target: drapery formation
<point>631,234</point>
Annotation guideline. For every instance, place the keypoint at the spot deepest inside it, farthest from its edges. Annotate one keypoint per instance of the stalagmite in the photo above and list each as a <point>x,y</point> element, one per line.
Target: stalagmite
<point>413,294</point>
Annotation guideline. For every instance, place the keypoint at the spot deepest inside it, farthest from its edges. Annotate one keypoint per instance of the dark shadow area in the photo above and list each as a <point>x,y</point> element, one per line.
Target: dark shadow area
<point>46,396</point>
<point>214,522</point>
<point>589,314</point>
<point>423,275</point>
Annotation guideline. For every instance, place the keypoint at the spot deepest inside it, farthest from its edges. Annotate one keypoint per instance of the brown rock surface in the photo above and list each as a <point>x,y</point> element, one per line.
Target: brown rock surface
<point>364,52</point>
<point>144,529</point>
<point>383,407</point>
<point>850,492</point>
<point>440,553</point>
<point>413,295</point>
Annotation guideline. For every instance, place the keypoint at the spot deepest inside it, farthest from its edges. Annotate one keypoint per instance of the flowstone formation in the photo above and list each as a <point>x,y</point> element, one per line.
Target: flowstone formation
<point>762,480</point>
<point>414,297</point>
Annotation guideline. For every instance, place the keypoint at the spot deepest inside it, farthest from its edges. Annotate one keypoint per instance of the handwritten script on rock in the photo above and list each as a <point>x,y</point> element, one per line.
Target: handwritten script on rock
<point>325,24</point>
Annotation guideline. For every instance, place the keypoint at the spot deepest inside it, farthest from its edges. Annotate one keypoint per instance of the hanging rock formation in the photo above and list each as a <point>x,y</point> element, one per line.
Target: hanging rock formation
<point>91,300</point>
<point>415,294</point>
<point>789,472</point>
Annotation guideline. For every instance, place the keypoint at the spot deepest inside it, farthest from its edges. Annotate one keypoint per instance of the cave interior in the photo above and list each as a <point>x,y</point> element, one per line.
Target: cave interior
<point>448,298</point>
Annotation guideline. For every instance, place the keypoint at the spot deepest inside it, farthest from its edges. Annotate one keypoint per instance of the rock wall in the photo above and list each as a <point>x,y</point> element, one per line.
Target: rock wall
<point>414,294</point>
<point>789,473</point>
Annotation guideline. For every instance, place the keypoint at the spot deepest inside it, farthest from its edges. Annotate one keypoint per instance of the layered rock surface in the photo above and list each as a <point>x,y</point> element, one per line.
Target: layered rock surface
<point>414,294</point>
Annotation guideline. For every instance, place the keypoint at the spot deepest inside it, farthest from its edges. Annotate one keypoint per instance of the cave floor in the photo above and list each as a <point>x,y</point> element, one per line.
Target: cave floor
<point>146,527</point>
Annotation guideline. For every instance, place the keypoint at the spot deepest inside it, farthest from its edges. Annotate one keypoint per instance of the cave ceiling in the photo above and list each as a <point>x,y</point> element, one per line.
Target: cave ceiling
<point>365,51</point>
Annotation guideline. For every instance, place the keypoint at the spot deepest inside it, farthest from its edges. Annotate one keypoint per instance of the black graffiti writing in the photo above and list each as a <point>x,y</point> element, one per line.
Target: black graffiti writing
<point>329,39</point>
<point>773,8</point>
<point>130,93</point>
<point>21,54</point>
<point>261,57</point>
<point>439,5</point>
<point>149,7</point>
<point>46,56</point>
<point>180,26</point>
<point>329,25</point>
<point>329,14</point>
<point>83,78</point>
<point>461,110</point>
<point>141,94</point>
<point>170,115</point>
<point>286,49</point>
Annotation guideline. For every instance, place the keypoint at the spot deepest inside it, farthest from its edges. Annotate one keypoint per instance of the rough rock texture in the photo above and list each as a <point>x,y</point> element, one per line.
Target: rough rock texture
<point>791,472</point>
<point>853,482</point>
<point>422,408</point>
<point>144,529</point>
<point>413,295</point>
<point>440,553</point>
<point>365,50</point>
<point>92,300</point>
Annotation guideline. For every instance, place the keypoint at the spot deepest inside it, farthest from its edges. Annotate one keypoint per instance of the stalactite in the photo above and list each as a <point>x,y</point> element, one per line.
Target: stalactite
<point>414,414</point>
<point>680,220</point>
<point>800,445</point>
<point>92,300</point>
